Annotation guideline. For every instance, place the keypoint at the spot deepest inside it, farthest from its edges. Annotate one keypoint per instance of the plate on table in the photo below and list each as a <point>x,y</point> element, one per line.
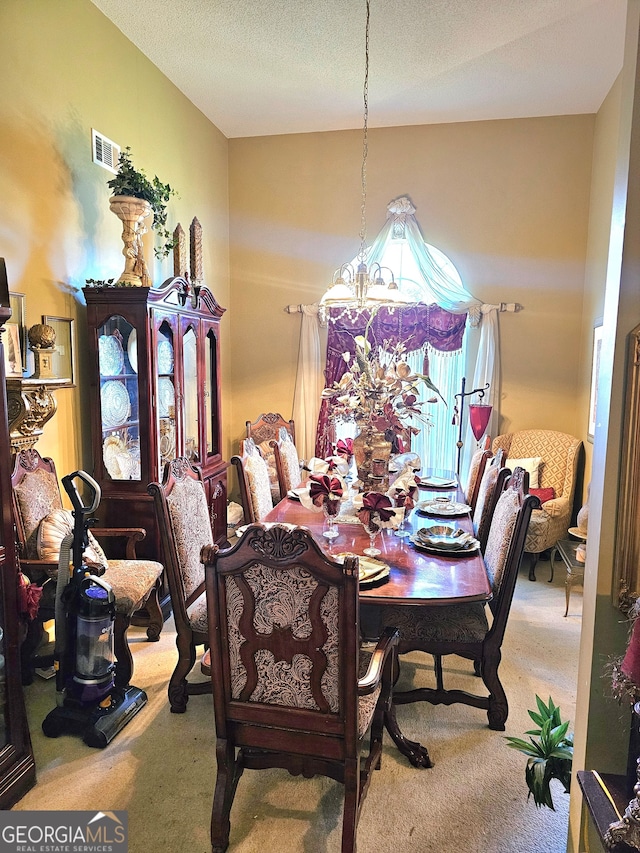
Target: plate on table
<point>467,550</point>
<point>445,538</point>
<point>442,507</point>
<point>110,355</point>
<point>370,571</point>
<point>115,403</point>
<point>439,482</point>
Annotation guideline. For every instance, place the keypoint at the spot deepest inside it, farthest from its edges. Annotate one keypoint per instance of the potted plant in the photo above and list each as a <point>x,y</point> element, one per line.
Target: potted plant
<point>134,198</point>
<point>549,752</point>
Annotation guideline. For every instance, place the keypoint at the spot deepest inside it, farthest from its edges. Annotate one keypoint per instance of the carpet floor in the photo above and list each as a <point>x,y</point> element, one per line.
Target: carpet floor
<point>161,767</point>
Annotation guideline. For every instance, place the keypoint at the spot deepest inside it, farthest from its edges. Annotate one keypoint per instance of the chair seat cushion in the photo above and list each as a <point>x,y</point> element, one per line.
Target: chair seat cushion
<point>460,623</point>
<point>131,581</point>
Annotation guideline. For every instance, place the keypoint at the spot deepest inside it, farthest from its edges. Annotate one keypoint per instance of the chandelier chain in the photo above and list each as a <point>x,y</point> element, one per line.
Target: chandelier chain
<point>365,142</point>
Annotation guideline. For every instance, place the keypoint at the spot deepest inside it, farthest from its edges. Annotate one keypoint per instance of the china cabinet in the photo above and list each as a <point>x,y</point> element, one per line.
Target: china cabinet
<point>155,395</point>
<point>17,767</point>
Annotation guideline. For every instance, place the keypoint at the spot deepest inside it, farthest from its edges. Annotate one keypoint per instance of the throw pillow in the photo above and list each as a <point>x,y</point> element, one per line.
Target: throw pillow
<point>53,529</point>
<point>544,494</point>
<point>530,464</point>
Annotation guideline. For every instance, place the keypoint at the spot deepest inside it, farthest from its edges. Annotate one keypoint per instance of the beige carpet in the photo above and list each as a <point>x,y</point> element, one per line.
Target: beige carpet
<point>161,767</point>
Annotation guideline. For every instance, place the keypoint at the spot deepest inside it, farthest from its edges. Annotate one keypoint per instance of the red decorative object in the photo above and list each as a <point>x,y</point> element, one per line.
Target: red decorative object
<point>631,662</point>
<point>544,494</point>
<point>479,414</point>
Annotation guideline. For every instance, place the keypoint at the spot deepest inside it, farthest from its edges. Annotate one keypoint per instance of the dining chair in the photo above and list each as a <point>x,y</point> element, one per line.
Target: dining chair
<point>464,629</point>
<point>291,686</point>
<point>287,462</point>
<point>41,524</point>
<point>476,470</point>
<point>184,524</point>
<point>253,482</point>
<point>264,431</point>
<point>490,488</point>
<point>552,459</point>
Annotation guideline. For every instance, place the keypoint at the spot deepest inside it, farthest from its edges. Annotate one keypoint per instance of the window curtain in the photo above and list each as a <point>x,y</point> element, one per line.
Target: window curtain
<point>309,382</point>
<point>481,342</point>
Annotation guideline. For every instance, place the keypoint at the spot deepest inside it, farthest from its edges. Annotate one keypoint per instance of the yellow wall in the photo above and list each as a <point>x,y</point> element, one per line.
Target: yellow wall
<point>65,69</point>
<point>507,201</point>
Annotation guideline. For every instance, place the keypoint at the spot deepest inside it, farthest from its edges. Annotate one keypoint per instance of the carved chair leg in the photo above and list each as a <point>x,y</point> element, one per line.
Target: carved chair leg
<point>178,690</point>
<point>351,795</point>
<point>226,782</point>
<point>124,658</point>
<point>156,620</point>
<point>498,705</point>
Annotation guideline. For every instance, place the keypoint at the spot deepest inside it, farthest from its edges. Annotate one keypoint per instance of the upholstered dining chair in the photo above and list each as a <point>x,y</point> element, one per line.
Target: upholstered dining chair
<point>185,528</point>
<point>264,431</point>
<point>476,470</point>
<point>291,687</point>
<point>552,459</point>
<point>489,490</point>
<point>42,523</point>
<point>287,462</point>
<point>465,630</point>
<point>253,482</point>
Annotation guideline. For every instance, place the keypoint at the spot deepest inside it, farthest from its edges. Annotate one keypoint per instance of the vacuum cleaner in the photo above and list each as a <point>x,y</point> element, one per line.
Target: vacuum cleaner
<point>87,700</point>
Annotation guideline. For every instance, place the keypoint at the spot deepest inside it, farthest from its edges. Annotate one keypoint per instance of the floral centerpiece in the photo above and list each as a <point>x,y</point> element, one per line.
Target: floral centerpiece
<point>380,392</point>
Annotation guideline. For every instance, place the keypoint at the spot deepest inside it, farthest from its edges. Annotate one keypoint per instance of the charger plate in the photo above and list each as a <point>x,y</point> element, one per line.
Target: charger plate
<point>443,508</point>
<point>370,571</point>
<point>472,548</point>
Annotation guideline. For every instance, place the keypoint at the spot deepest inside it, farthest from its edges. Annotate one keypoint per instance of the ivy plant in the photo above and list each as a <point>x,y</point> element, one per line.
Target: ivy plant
<point>133,182</point>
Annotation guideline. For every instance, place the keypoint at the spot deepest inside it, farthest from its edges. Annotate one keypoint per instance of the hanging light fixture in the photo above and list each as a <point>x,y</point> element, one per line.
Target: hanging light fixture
<point>361,286</point>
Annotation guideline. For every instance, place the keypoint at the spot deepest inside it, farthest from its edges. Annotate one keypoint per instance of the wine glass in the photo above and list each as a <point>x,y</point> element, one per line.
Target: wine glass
<point>330,510</point>
<point>402,502</point>
<point>373,528</point>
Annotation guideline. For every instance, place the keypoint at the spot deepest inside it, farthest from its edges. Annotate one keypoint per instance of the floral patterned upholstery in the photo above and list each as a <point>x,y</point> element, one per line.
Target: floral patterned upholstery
<point>560,455</point>
<point>289,462</point>
<point>485,502</point>
<point>267,453</point>
<point>503,524</point>
<point>191,527</point>
<point>456,623</point>
<point>476,469</point>
<point>256,473</point>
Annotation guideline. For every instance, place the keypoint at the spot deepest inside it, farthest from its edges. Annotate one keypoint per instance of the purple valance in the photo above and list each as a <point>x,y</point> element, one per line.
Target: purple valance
<point>414,325</point>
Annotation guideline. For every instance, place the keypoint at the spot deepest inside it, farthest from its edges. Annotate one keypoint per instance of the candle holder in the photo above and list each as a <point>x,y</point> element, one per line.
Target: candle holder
<point>479,414</point>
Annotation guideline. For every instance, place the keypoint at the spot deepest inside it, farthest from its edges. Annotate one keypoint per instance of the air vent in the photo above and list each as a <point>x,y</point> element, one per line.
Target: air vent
<point>105,152</point>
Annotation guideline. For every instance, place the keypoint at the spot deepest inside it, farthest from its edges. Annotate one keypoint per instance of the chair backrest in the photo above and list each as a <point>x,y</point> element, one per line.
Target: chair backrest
<point>476,470</point>
<point>184,524</point>
<point>267,427</point>
<point>283,631</point>
<point>287,462</point>
<point>253,482</point>
<point>35,495</point>
<point>505,545</point>
<point>489,489</point>
<point>559,452</point>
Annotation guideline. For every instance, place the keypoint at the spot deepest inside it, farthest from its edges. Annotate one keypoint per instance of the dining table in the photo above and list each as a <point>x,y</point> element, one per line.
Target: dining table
<point>417,576</point>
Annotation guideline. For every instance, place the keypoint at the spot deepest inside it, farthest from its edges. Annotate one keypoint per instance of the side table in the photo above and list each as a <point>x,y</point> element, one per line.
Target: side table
<point>575,569</point>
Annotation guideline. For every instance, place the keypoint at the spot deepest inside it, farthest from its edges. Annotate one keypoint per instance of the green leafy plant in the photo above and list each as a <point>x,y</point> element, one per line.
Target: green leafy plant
<point>134,182</point>
<point>549,750</point>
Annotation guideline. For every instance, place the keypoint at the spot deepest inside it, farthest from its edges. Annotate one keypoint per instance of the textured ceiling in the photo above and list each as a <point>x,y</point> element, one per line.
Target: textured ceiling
<point>293,66</point>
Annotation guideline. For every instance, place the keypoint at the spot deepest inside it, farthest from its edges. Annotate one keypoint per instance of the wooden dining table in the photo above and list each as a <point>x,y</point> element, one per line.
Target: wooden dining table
<point>415,577</point>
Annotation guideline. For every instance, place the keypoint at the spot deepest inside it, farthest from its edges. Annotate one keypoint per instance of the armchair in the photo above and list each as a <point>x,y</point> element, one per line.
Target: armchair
<point>464,630</point>
<point>559,455</point>
<point>291,688</point>
<point>41,523</point>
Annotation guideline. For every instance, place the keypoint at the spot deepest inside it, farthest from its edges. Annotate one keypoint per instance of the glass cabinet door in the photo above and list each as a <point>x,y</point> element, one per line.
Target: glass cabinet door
<point>119,398</point>
<point>190,369</point>
<point>211,393</point>
<point>166,399</point>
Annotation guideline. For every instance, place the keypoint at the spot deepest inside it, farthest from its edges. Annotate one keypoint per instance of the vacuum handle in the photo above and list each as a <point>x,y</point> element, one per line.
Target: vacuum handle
<point>74,494</point>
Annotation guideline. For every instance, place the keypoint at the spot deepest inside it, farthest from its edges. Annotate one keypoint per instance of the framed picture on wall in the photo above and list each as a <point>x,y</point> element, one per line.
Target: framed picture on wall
<point>12,355</point>
<point>595,370</point>
<point>17,303</point>
<point>63,362</point>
